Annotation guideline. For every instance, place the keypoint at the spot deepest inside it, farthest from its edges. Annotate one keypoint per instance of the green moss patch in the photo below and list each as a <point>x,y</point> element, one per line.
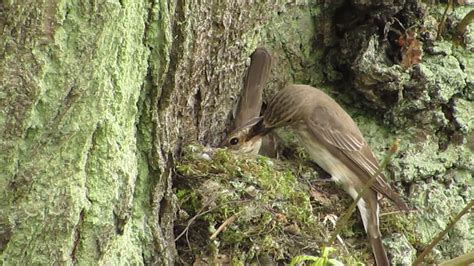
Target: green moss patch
<point>270,212</point>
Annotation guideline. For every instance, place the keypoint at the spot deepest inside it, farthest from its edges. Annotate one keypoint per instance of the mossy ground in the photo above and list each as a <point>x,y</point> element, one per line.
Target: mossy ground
<point>281,210</point>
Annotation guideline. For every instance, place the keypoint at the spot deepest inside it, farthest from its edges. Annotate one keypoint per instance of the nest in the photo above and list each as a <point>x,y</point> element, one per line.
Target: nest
<point>251,209</point>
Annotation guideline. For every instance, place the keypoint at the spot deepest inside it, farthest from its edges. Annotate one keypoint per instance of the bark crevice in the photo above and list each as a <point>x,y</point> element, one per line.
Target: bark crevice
<point>77,236</point>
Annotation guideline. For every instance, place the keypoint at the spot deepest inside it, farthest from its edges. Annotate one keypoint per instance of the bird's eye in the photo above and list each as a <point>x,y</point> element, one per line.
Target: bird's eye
<point>234,141</point>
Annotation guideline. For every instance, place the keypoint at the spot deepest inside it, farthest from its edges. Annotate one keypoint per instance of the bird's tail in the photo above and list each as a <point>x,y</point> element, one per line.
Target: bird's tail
<point>369,211</point>
<point>380,255</point>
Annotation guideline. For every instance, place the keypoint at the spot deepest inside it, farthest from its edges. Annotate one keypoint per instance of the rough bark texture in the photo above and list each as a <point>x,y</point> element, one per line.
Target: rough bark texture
<point>97,99</point>
<point>72,169</point>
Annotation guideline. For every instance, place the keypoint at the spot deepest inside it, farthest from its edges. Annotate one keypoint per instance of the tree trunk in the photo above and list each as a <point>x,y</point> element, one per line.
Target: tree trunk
<point>98,98</point>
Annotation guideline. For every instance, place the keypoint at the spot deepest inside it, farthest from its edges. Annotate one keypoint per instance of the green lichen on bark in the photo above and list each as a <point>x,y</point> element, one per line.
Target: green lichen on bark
<point>69,177</point>
<point>401,251</point>
<point>436,182</point>
<point>291,38</point>
<point>428,106</point>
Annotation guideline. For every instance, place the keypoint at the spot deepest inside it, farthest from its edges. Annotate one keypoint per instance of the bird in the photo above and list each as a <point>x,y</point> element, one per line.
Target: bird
<point>334,142</point>
<point>255,79</point>
<point>250,102</point>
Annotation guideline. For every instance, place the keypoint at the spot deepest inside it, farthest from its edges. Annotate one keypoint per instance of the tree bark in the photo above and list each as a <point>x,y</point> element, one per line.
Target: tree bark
<point>97,98</point>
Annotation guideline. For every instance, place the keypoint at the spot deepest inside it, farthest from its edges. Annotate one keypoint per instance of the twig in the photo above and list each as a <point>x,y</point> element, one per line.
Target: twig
<point>347,214</point>
<point>440,236</point>
<point>223,226</point>
<point>199,214</point>
<point>396,212</point>
<point>443,20</point>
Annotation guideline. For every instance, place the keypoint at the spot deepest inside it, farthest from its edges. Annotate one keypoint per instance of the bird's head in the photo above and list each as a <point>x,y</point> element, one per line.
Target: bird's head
<point>247,138</point>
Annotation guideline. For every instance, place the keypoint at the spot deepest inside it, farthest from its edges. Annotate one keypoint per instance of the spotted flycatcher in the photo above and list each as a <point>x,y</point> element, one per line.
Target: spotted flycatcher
<point>334,142</point>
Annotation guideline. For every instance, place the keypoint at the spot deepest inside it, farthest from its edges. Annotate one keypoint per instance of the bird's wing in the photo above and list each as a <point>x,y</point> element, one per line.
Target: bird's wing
<point>337,129</point>
<point>332,126</point>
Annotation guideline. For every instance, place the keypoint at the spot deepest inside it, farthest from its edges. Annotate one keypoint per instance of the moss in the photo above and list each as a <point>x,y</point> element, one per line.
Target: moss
<point>394,220</point>
<point>272,208</point>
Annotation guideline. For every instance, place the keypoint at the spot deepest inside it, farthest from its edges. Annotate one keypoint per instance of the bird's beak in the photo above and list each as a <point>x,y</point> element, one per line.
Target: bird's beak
<point>257,128</point>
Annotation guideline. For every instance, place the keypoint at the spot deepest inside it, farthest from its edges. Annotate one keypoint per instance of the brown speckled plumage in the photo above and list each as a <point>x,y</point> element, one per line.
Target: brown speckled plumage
<point>335,143</point>
<point>305,106</point>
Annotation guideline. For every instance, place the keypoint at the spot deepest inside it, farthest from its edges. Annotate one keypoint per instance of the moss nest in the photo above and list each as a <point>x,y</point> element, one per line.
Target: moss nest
<point>272,210</point>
